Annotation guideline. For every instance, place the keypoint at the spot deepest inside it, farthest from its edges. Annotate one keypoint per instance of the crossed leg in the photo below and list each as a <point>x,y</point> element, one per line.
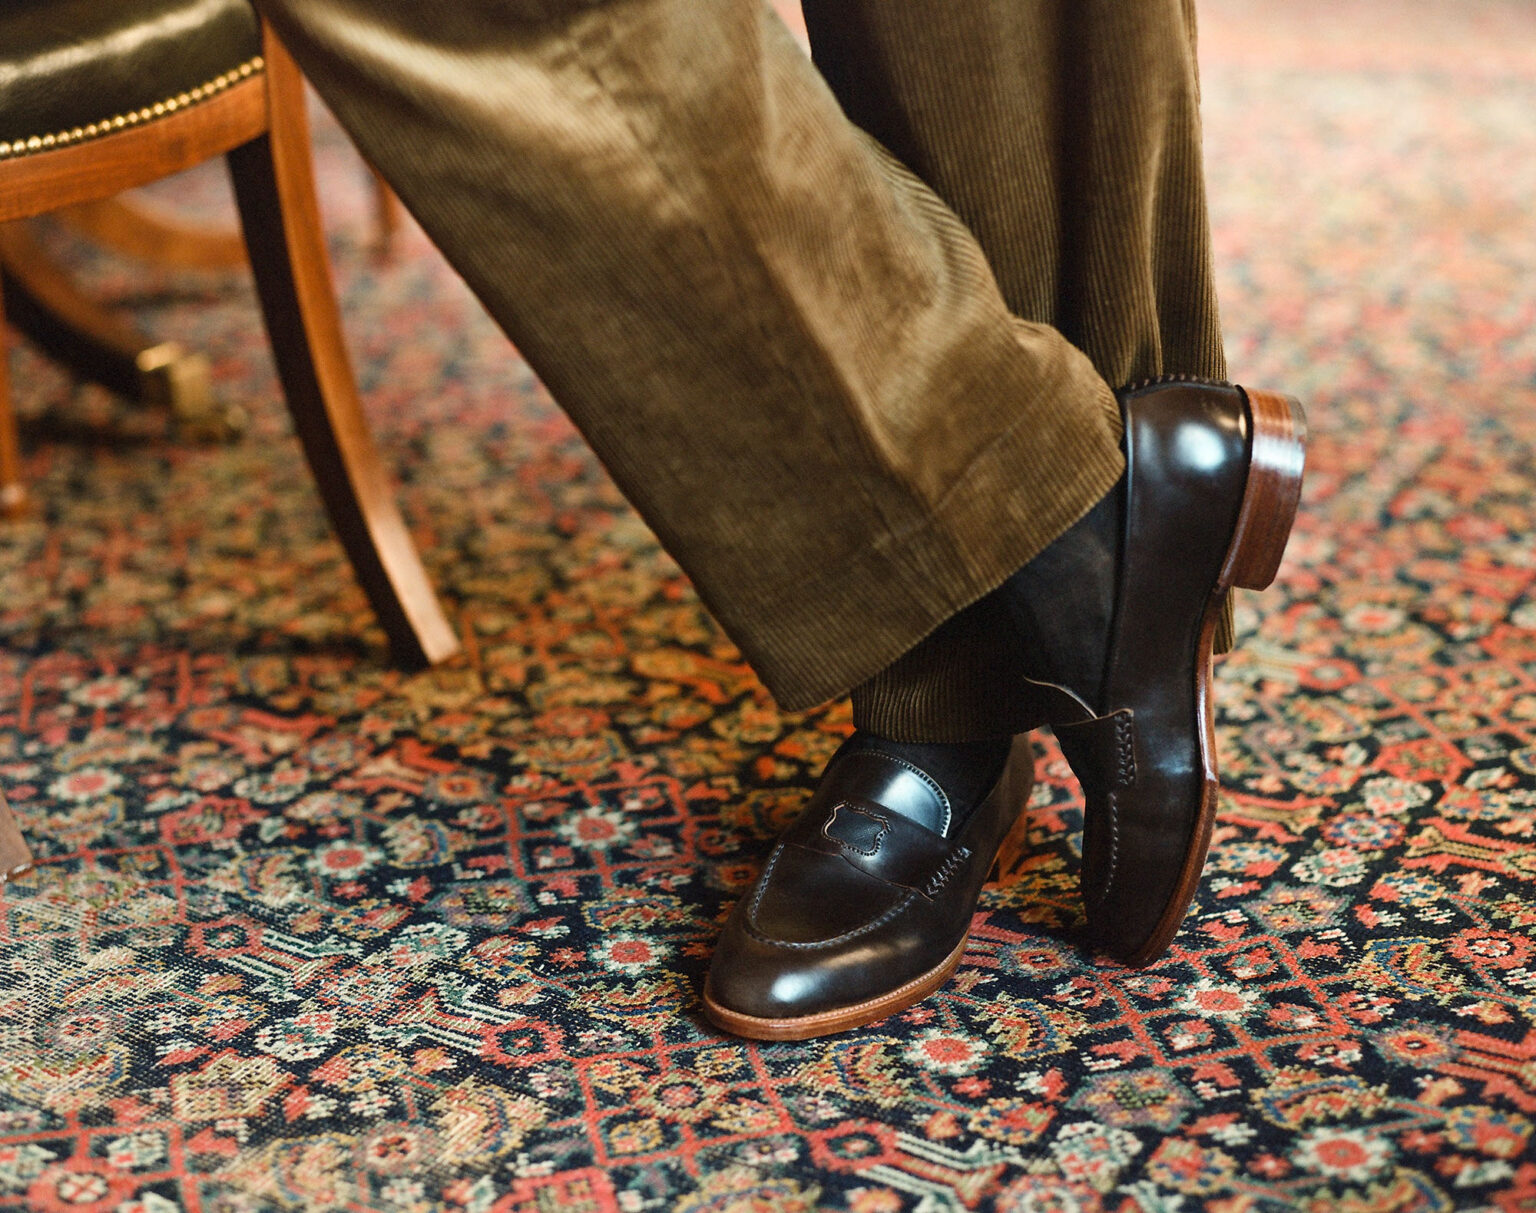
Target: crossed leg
<point>846,339</point>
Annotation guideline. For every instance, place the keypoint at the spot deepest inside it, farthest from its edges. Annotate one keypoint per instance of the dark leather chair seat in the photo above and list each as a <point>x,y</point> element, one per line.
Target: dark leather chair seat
<point>71,70</point>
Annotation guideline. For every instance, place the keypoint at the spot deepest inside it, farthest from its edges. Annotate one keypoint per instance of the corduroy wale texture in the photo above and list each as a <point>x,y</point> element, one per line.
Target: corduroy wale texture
<point>852,380</point>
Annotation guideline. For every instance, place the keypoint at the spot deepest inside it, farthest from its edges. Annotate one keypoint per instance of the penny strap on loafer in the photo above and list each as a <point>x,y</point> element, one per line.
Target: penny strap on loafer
<point>863,907</point>
<point>888,781</point>
<point>880,843</point>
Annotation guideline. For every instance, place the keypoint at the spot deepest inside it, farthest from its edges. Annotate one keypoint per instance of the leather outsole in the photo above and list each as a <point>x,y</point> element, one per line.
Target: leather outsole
<point>839,1019</point>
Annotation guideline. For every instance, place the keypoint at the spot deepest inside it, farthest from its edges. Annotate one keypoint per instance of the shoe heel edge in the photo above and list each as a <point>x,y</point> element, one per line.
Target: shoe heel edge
<point>1273,491</point>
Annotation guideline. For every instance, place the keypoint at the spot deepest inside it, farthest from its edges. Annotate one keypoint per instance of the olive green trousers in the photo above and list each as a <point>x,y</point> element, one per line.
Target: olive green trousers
<point>844,337</point>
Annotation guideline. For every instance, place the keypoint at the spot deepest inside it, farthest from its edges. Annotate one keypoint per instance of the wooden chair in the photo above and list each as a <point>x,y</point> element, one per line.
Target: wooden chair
<point>96,99</point>
<point>101,344</point>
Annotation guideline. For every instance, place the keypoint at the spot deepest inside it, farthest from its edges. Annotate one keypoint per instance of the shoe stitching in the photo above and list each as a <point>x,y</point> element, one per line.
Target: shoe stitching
<point>1125,750</point>
<point>1125,776</point>
<point>951,864</point>
<point>762,882</point>
<point>873,924</point>
<point>935,883</point>
<point>1114,849</point>
<point>885,828</point>
<point>762,888</point>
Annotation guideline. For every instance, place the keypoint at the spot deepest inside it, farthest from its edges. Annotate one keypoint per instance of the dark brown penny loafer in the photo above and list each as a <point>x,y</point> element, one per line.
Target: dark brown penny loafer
<point>864,906</point>
<point>1212,482</point>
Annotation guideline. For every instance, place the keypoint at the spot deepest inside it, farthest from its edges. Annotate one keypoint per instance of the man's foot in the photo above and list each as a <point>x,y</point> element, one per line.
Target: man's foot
<point>1212,482</point>
<point>864,906</point>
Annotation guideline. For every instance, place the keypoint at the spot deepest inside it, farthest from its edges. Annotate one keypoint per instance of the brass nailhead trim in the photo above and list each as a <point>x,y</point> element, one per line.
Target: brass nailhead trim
<point>80,134</point>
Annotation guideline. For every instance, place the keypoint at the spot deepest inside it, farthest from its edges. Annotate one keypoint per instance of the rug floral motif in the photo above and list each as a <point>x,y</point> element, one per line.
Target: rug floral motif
<point>307,933</point>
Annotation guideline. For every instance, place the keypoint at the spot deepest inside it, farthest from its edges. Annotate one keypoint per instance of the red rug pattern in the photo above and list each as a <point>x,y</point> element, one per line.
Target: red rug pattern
<point>307,933</point>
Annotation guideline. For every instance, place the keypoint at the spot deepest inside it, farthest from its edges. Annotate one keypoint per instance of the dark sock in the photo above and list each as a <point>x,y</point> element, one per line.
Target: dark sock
<point>1061,605</point>
<point>1063,602</point>
<point>966,770</point>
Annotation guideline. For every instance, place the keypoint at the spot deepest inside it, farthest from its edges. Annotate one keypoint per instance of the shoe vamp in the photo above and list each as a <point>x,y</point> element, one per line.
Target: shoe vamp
<point>809,897</point>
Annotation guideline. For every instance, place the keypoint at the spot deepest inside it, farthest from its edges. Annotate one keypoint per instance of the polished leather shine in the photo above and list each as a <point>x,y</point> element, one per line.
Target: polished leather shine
<point>1186,459</point>
<point>1195,508</point>
<point>69,63</point>
<point>863,898</point>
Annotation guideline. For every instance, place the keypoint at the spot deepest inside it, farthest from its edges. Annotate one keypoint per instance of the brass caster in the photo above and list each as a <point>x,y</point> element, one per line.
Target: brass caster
<point>183,381</point>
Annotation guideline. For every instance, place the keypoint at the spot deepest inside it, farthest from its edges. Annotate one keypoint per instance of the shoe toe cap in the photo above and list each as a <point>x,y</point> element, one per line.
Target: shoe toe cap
<point>771,979</point>
<point>767,980</point>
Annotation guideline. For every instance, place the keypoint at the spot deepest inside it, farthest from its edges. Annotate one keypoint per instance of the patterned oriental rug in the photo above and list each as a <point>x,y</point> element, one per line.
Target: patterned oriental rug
<point>307,933</point>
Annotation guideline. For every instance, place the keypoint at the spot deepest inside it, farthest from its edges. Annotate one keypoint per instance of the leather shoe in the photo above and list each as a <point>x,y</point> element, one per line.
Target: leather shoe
<point>864,906</point>
<point>1212,483</point>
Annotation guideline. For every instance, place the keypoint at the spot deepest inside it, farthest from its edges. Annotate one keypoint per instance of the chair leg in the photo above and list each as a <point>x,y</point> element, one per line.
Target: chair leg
<point>13,490</point>
<point>274,188</point>
<point>15,856</point>
<point>101,346</point>
<point>386,217</point>
<point>130,227</point>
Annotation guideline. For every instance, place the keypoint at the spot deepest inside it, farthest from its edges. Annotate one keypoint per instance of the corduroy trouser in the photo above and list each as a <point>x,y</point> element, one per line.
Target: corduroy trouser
<point>845,338</point>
